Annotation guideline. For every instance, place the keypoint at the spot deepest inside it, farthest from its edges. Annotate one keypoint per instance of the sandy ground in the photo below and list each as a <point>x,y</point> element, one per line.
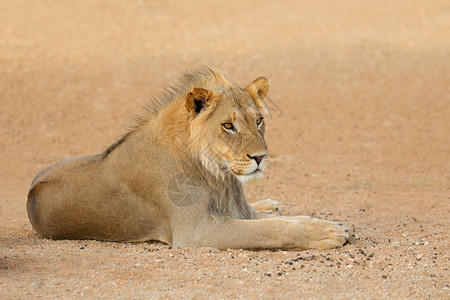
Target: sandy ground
<point>361,135</point>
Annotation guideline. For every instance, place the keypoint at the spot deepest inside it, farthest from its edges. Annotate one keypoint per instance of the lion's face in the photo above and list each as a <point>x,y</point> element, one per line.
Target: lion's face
<point>227,128</point>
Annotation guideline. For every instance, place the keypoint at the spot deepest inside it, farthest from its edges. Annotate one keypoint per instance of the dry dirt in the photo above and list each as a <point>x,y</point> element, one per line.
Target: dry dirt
<point>359,132</point>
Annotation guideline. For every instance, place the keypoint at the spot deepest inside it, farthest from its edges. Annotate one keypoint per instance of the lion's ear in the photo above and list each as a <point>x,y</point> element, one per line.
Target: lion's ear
<point>197,99</point>
<point>258,89</point>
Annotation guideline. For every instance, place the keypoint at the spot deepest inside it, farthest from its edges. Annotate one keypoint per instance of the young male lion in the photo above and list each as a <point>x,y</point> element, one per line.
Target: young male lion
<point>176,178</point>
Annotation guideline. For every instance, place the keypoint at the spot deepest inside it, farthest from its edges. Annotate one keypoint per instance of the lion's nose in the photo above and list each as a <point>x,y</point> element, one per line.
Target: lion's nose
<point>257,158</point>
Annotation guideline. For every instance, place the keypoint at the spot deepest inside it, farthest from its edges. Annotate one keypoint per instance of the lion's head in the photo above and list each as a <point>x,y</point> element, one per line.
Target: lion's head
<point>226,127</point>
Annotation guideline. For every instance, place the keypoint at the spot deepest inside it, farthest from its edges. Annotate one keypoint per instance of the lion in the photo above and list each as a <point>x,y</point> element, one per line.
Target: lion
<point>177,177</point>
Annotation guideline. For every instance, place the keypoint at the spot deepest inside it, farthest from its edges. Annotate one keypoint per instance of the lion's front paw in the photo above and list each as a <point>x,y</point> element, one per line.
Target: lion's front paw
<point>267,206</point>
<point>322,234</point>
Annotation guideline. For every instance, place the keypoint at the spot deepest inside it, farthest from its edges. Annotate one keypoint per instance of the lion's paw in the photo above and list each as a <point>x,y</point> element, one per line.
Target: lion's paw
<point>324,234</point>
<point>267,206</point>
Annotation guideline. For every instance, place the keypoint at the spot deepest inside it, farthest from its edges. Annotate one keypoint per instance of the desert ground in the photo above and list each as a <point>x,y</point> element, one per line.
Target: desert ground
<point>359,132</point>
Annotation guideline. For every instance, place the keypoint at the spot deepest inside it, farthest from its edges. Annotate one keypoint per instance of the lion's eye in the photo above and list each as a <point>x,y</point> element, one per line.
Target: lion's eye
<point>259,121</point>
<point>228,126</point>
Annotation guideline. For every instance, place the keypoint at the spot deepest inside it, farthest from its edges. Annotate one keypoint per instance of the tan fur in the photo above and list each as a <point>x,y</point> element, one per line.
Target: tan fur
<point>176,177</point>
